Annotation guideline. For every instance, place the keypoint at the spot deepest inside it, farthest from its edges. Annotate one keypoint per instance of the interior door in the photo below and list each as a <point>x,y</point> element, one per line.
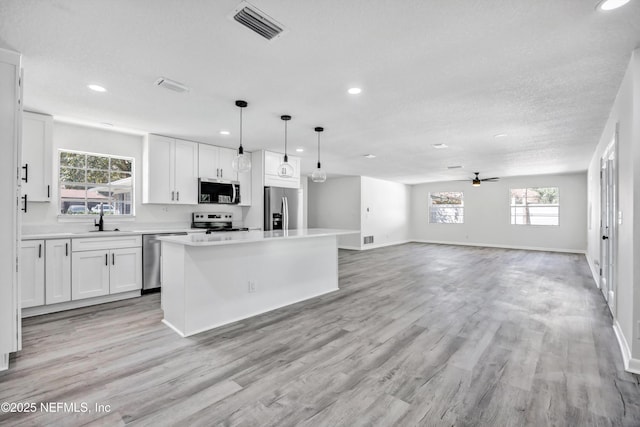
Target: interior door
<point>608,225</point>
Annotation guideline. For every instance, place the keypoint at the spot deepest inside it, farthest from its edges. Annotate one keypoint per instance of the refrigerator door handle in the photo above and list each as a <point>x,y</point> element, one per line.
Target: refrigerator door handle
<point>285,220</point>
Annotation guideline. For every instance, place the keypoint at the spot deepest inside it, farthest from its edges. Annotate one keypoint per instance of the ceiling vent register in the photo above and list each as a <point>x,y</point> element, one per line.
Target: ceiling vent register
<point>171,85</point>
<point>257,21</point>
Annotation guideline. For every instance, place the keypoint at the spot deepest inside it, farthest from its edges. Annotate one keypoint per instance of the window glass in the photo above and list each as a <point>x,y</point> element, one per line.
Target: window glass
<point>90,182</point>
<point>446,207</point>
<point>535,206</point>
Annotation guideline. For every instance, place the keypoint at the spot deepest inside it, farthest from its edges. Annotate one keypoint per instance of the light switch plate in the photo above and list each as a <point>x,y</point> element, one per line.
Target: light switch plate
<point>619,217</point>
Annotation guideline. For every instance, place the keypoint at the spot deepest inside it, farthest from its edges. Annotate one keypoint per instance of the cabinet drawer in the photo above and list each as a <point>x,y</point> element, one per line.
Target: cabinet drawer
<point>98,243</point>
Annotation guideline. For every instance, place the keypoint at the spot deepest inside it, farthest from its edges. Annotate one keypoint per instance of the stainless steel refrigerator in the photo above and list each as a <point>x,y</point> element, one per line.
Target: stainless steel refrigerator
<point>282,208</point>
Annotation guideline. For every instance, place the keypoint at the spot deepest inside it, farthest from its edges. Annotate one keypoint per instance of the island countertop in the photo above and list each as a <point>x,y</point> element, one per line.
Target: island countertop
<point>235,237</point>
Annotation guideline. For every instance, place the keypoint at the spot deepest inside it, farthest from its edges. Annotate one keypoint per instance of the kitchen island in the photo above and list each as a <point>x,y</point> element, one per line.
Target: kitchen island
<point>209,280</point>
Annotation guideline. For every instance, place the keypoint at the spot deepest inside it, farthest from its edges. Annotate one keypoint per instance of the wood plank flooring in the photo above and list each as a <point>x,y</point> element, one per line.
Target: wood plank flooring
<point>419,334</point>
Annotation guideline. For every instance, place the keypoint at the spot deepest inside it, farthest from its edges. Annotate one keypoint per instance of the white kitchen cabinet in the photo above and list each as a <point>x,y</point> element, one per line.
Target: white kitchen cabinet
<point>170,171</point>
<point>89,274</point>
<point>10,126</point>
<point>57,271</point>
<point>272,162</point>
<point>32,260</point>
<point>125,273</point>
<point>245,186</point>
<point>215,162</point>
<point>112,265</point>
<point>37,135</point>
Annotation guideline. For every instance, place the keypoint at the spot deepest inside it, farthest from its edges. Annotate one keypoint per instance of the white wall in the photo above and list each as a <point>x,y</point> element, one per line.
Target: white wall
<point>375,207</point>
<point>335,203</point>
<point>487,214</point>
<point>386,210</point>
<point>624,114</point>
<point>43,217</point>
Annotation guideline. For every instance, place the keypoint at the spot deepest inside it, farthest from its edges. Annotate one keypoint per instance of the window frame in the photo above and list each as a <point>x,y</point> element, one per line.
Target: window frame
<point>526,188</point>
<point>88,215</point>
<point>431,205</point>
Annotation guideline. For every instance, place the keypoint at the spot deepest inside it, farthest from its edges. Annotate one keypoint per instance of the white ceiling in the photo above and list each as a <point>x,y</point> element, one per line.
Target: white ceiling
<point>449,71</point>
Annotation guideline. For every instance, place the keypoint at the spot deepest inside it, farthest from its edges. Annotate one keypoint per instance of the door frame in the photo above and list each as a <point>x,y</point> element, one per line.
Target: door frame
<point>609,222</point>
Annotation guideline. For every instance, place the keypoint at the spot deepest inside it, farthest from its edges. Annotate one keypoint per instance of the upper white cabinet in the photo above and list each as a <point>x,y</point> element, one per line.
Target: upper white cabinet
<point>215,162</point>
<point>272,162</point>
<point>37,131</point>
<point>170,171</point>
<point>245,186</point>
<point>32,273</point>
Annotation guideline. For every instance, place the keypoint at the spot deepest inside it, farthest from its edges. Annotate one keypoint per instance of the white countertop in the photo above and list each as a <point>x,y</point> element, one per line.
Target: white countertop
<point>236,237</point>
<point>107,233</point>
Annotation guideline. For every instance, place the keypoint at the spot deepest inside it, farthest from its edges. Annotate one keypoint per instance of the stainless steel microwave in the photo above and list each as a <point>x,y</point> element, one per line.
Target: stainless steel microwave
<point>218,191</point>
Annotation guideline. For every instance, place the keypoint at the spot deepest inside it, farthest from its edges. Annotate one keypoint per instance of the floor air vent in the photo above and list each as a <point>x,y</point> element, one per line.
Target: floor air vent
<point>368,240</point>
<point>257,21</point>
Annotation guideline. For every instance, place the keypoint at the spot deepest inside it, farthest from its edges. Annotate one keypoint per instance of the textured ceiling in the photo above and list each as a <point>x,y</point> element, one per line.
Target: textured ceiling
<point>451,71</point>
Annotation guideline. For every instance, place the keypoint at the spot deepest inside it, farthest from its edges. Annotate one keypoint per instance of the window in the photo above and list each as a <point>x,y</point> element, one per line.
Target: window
<point>535,206</point>
<point>446,208</point>
<point>89,182</point>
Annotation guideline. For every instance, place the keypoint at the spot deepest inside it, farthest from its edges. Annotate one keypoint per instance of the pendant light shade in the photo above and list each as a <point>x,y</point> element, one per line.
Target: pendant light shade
<point>319,175</point>
<point>285,170</point>
<point>242,162</point>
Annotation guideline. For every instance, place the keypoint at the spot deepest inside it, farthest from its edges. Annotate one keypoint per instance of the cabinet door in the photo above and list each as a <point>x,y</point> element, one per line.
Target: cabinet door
<point>32,254</point>
<point>36,156</point>
<point>208,161</point>
<point>126,270</point>
<point>89,274</point>
<point>225,158</point>
<point>186,172</point>
<point>271,162</point>
<point>158,167</point>
<point>245,186</point>
<point>58,271</point>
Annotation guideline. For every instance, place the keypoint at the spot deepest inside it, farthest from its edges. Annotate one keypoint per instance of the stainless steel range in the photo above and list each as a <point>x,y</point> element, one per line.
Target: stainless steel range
<point>214,222</point>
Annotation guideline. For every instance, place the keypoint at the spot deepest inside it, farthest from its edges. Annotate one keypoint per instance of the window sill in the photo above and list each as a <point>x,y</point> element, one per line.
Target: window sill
<point>90,219</point>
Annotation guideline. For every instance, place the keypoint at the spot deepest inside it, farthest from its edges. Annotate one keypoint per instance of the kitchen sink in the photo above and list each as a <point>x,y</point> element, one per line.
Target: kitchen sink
<point>103,231</point>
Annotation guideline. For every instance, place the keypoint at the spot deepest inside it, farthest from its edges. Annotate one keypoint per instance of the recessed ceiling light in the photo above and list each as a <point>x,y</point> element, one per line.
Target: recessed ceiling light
<point>439,146</point>
<point>299,150</point>
<point>611,4</point>
<point>500,135</point>
<point>96,88</point>
<point>354,90</point>
<point>225,132</point>
<point>369,156</point>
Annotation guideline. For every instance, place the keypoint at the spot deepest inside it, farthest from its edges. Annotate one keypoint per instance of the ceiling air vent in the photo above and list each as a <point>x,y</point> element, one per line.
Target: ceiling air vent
<point>171,85</point>
<point>257,21</point>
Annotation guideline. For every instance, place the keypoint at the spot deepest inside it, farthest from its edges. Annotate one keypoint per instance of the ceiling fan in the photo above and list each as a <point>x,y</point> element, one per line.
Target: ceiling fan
<point>476,181</point>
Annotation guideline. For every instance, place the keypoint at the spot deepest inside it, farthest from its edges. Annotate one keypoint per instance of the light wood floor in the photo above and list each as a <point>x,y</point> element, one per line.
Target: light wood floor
<point>418,335</point>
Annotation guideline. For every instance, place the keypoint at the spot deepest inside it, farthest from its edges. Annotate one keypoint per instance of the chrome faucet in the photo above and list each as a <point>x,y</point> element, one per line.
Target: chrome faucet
<point>100,224</point>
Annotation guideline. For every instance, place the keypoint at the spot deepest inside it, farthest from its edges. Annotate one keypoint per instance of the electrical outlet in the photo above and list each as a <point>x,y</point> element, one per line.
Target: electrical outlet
<point>252,286</point>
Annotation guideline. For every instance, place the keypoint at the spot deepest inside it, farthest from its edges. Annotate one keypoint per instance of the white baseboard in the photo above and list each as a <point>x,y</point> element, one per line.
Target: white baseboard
<point>4,361</point>
<point>488,245</point>
<point>53,308</point>
<point>349,248</point>
<point>630,364</point>
<point>594,270</point>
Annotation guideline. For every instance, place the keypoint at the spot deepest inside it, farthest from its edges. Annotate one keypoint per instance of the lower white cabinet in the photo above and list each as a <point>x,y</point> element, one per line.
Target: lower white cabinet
<point>32,273</point>
<point>57,271</point>
<point>90,274</point>
<point>108,268</point>
<point>125,273</point>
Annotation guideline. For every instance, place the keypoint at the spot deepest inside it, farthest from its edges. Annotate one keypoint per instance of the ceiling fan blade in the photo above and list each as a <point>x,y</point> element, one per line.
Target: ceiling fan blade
<point>494,179</point>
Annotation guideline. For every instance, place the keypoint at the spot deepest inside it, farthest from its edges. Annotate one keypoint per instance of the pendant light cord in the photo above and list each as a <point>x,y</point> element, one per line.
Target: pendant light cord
<point>241,131</point>
<point>286,158</point>
<point>318,150</point>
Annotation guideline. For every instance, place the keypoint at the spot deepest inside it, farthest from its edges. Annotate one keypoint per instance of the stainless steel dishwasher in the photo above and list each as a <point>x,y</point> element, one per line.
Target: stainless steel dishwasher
<point>151,254</point>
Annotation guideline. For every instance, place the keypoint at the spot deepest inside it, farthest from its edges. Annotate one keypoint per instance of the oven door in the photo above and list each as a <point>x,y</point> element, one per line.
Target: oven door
<point>218,192</point>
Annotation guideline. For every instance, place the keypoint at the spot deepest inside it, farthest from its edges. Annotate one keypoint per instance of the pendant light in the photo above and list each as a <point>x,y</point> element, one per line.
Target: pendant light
<point>242,162</point>
<point>285,170</point>
<point>319,175</point>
